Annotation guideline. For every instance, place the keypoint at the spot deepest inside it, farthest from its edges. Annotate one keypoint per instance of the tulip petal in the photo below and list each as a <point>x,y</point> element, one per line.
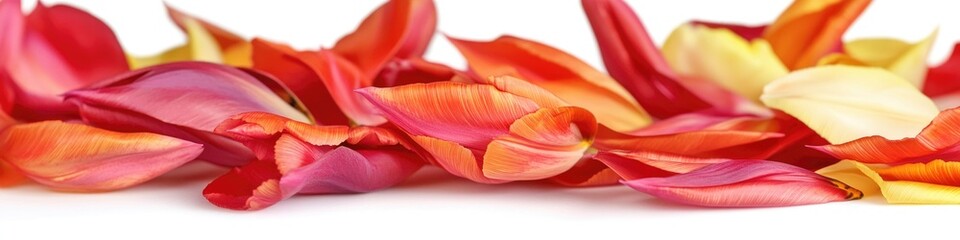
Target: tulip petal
<point>62,48</point>
<point>77,157</point>
<point>748,33</point>
<point>902,58</point>
<point>482,112</point>
<point>587,173</point>
<point>11,29</point>
<point>205,42</point>
<point>299,158</point>
<point>746,183</point>
<point>721,56</point>
<point>934,172</point>
<point>455,159</point>
<point>843,103</point>
<point>633,60</point>
<point>540,145</point>
<point>304,83</point>
<point>632,165</point>
<point>559,73</point>
<point>810,29</point>
<point>397,29</point>
<point>689,143</point>
<point>200,46</point>
<point>945,78</point>
<point>937,141</point>
<point>866,177</point>
<point>154,100</point>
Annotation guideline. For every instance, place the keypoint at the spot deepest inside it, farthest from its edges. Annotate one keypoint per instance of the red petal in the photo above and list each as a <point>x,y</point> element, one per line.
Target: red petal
<point>945,78</point>
<point>398,29</point>
<point>746,32</point>
<point>632,59</point>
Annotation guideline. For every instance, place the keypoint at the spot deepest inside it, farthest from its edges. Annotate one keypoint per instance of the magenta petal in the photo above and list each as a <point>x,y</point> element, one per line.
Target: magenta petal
<point>184,100</point>
<point>746,183</point>
<point>344,170</point>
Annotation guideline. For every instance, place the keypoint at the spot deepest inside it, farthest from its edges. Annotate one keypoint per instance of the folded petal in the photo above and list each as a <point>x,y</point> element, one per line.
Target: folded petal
<point>468,114</point>
<point>746,183</point>
<point>308,159</point>
<point>897,191</point>
<point>843,103</point>
<point>540,145</point>
<point>719,55</point>
<point>397,29</point>
<point>455,159</point>
<point>77,157</point>
<point>909,60</point>
<point>810,29</point>
<point>62,48</point>
<point>937,141</point>
<point>633,60</point>
<point>559,73</point>
<point>184,100</point>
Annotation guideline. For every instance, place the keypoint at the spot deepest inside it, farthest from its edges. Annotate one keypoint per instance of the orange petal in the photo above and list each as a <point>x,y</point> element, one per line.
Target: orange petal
<point>471,115</point>
<point>559,73</point>
<point>936,172</point>
<point>77,157</point>
<point>810,29</point>
<point>455,159</point>
<point>686,143</point>
<point>540,145</point>
<point>587,173</point>
<point>938,140</point>
<point>398,29</point>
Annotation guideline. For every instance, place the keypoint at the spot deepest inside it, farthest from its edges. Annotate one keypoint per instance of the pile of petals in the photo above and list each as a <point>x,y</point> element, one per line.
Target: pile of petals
<point>720,115</point>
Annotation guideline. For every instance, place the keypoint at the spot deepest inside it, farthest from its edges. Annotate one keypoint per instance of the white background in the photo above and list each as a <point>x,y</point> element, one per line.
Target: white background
<point>433,204</point>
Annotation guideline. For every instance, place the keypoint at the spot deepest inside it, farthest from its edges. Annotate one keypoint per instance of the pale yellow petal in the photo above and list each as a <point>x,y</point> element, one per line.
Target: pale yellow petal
<point>902,58</point>
<point>843,103</point>
<point>724,57</point>
<point>200,46</point>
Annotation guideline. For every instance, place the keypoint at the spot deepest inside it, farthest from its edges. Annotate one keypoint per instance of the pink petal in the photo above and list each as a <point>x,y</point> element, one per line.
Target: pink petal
<point>746,183</point>
<point>184,100</point>
<point>58,49</point>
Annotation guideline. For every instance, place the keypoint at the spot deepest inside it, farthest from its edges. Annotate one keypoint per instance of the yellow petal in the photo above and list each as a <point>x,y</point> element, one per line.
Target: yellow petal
<point>893,191</point>
<point>724,57</point>
<point>843,103</point>
<point>902,58</point>
<point>200,46</point>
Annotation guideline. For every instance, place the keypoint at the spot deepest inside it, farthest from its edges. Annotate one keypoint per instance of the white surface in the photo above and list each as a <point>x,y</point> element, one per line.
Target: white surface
<point>433,204</point>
